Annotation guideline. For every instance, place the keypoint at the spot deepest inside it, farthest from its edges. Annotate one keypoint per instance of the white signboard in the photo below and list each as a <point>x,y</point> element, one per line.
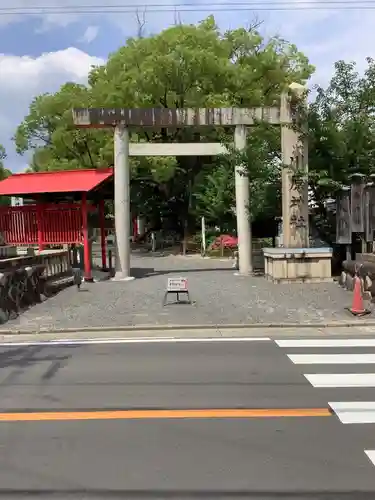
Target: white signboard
<point>16,202</point>
<point>177,285</point>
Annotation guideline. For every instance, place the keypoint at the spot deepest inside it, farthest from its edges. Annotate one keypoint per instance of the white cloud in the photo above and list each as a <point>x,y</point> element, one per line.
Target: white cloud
<point>316,23</point>
<point>23,78</point>
<point>90,34</point>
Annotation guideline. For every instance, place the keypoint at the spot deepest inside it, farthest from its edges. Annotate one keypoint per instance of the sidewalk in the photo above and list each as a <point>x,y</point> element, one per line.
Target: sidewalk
<point>219,298</point>
<point>204,333</point>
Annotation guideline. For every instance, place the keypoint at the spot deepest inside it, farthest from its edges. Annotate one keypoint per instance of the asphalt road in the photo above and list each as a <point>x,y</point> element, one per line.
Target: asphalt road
<point>129,450</point>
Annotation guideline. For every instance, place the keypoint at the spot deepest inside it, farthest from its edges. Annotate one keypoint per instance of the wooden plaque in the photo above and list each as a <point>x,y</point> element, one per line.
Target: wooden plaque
<point>343,219</point>
<point>357,207</point>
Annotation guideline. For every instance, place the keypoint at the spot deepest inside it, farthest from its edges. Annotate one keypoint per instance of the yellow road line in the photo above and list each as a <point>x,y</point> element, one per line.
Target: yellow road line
<point>163,414</point>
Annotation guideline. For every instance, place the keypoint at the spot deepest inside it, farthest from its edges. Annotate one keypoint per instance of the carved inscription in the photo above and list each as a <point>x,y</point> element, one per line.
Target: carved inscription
<point>343,219</point>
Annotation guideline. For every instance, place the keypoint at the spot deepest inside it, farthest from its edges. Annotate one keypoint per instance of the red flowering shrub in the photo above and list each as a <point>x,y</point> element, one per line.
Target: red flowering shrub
<point>224,241</point>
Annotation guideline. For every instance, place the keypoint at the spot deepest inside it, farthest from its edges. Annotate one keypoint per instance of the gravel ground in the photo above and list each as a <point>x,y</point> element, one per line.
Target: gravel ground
<point>219,296</point>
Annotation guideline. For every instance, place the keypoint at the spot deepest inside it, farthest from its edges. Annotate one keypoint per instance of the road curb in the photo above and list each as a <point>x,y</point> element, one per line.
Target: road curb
<point>169,327</point>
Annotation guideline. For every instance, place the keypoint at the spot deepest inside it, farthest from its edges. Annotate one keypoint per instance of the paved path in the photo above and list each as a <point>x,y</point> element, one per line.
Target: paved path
<point>220,298</point>
<point>107,437</point>
<point>182,335</point>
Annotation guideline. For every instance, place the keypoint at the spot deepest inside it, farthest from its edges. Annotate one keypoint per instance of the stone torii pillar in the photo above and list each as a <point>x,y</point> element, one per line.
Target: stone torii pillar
<point>120,119</point>
<point>122,203</point>
<point>242,187</point>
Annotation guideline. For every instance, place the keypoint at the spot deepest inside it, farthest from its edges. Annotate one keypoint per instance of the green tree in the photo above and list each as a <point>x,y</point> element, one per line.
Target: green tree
<point>261,160</point>
<point>48,132</point>
<point>341,136</point>
<point>192,66</point>
<point>4,173</point>
<point>183,66</point>
<point>3,156</point>
<point>214,196</point>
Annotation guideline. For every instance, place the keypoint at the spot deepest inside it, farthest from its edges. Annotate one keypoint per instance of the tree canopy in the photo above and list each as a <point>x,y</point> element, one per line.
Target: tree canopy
<point>341,135</point>
<point>183,66</point>
<point>2,157</point>
<point>4,173</point>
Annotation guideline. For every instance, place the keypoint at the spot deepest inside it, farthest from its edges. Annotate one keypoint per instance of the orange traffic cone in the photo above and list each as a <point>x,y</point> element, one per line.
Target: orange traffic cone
<point>358,308</point>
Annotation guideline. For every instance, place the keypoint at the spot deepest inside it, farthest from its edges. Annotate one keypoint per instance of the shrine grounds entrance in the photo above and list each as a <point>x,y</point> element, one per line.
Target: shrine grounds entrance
<point>293,265</point>
<point>81,192</point>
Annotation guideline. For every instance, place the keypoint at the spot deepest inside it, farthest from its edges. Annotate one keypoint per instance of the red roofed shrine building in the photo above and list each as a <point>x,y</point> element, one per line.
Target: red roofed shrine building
<point>59,216</point>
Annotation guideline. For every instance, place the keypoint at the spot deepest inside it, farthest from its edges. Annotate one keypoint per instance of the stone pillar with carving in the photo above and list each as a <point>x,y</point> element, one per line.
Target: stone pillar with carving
<point>294,150</point>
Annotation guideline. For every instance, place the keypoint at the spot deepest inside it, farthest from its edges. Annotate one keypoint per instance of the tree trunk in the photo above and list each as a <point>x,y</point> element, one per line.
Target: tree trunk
<point>185,238</point>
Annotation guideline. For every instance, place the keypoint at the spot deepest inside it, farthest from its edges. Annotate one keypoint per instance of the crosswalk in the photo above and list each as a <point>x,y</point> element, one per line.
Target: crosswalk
<point>327,364</point>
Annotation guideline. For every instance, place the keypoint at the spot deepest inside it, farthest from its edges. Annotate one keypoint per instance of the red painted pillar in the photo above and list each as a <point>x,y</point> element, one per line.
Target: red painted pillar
<point>102,233</point>
<point>135,227</point>
<point>85,231</point>
<point>40,225</point>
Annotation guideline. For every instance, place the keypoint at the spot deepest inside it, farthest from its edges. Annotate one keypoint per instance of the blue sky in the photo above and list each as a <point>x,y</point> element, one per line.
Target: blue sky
<point>29,37</point>
<point>39,53</point>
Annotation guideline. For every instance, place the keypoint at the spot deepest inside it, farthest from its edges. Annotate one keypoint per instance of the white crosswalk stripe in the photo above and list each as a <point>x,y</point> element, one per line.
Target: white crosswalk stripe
<point>355,412</point>
<point>334,359</point>
<point>326,343</point>
<point>330,366</point>
<point>371,455</point>
<point>341,379</point>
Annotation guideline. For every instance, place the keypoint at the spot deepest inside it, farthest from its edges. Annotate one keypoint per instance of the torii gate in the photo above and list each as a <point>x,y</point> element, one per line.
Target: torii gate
<point>295,202</point>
